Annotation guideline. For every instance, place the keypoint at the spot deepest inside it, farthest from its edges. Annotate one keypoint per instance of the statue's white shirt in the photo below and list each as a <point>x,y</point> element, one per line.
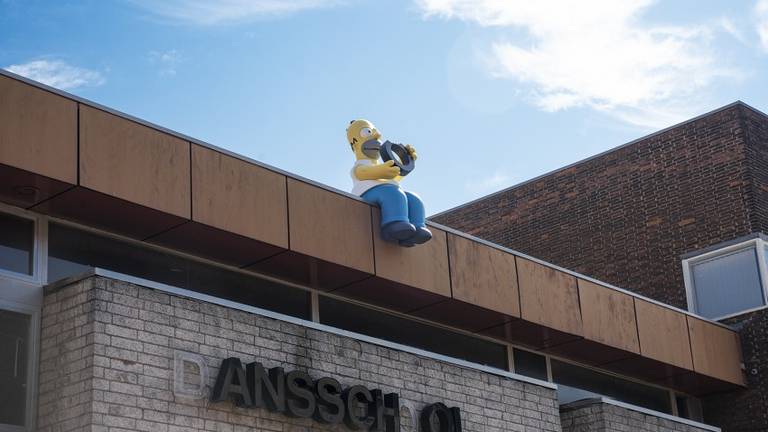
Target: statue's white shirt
<point>359,187</point>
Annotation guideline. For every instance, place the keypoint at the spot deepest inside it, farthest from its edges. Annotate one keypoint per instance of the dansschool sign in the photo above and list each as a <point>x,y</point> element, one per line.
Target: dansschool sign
<point>296,394</point>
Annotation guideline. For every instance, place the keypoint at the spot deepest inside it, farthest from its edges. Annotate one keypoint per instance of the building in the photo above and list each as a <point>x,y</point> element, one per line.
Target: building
<point>150,281</point>
<point>678,216</point>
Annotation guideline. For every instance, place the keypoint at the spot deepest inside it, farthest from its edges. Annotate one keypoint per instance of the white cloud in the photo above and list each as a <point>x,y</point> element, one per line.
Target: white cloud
<point>166,60</point>
<point>487,184</point>
<point>727,25</point>
<point>761,13</point>
<point>214,12</point>
<point>596,54</point>
<point>58,74</point>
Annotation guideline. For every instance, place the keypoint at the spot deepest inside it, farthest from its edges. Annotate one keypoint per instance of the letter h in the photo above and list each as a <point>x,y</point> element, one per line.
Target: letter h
<point>386,412</point>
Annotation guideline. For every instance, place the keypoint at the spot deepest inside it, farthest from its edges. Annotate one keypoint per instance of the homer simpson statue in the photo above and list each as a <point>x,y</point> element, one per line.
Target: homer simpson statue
<point>402,213</point>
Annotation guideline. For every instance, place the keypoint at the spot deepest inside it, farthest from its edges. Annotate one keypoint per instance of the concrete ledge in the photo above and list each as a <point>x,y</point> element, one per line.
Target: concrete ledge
<point>604,414</point>
<point>110,350</point>
<point>63,283</point>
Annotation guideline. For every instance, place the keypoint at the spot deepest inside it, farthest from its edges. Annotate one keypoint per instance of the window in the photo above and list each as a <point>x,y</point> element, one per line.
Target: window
<point>689,407</point>
<point>21,295</point>
<point>530,364</point>
<point>17,244</point>
<point>382,325</point>
<point>728,280</point>
<point>72,251</point>
<point>15,353</point>
<point>576,383</point>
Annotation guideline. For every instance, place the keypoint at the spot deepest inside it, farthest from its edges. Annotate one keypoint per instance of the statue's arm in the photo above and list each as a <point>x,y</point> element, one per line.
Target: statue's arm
<point>385,171</point>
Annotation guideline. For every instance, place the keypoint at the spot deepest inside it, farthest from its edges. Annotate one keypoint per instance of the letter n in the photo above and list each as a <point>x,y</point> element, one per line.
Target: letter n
<point>268,390</point>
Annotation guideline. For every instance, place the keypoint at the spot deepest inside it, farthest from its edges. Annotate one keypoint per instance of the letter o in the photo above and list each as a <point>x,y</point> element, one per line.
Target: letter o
<point>438,415</point>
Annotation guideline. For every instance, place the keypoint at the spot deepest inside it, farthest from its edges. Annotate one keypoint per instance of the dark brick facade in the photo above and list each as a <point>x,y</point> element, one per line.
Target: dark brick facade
<point>746,411</point>
<point>756,129</point>
<point>626,217</point>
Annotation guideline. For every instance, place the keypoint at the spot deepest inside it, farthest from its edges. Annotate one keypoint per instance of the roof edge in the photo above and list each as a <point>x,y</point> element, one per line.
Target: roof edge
<point>179,135</point>
<point>192,140</point>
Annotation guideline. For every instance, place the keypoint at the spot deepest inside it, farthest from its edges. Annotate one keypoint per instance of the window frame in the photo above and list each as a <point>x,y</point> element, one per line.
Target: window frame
<point>39,247</point>
<point>439,328</point>
<point>23,293</point>
<point>30,420</point>
<point>39,279</point>
<point>670,392</point>
<point>315,315</point>
<point>758,244</point>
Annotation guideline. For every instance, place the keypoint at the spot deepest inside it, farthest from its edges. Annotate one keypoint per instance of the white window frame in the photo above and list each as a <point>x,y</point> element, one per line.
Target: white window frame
<point>40,278</point>
<point>757,244</point>
<point>30,420</point>
<point>23,293</point>
<point>39,249</point>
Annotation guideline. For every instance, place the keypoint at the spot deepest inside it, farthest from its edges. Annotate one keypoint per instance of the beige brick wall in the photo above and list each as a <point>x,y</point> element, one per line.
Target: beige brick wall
<point>107,365</point>
<point>66,372</point>
<point>597,416</point>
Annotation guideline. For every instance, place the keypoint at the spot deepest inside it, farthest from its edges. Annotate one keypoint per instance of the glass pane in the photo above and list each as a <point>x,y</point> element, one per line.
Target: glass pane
<point>530,364</point>
<point>17,241</point>
<point>250,290</point>
<point>14,346</point>
<point>349,316</point>
<point>682,407</point>
<point>566,394</point>
<point>576,382</point>
<point>727,284</point>
<point>72,251</point>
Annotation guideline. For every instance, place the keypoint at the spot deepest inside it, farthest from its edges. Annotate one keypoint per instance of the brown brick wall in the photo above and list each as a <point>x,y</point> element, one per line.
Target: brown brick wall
<point>625,217</point>
<point>746,410</point>
<point>756,130</point>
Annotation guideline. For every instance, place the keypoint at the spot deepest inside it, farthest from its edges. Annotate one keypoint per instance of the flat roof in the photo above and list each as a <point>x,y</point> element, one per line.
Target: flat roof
<point>103,168</point>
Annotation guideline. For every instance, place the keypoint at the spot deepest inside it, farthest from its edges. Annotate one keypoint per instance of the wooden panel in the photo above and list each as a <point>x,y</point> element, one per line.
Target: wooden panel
<point>716,351</point>
<point>239,197</point>
<point>23,188</point>
<point>38,131</point>
<point>215,244</point>
<point>697,384</point>
<point>483,276</point>
<point>136,163</point>
<point>390,295</point>
<point>330,226</point>
<point>589,352</point>
<point>548,297</point>
<point>531,335</point>
<point>423,266</point>
<point>663,334</point>
<point>647,369</point>
<point>108,213</point>
<point>463,315</point>
<point>310,271</point>
<point>608,316</point>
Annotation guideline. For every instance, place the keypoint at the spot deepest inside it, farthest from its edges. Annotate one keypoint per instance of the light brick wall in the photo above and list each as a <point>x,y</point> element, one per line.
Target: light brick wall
<point>66,372</point>
<point>594,415</point>
<point>107,365</point>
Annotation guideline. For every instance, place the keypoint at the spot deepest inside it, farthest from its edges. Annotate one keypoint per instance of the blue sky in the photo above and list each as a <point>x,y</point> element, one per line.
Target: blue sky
<point>490,92</point>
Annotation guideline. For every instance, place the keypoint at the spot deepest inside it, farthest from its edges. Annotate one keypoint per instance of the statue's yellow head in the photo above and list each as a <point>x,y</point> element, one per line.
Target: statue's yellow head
<point>358,132</point>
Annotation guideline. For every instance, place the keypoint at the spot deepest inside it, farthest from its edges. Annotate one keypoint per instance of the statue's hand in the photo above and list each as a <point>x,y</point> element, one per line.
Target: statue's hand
<point>388,170</point>
<point>412,151</point>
